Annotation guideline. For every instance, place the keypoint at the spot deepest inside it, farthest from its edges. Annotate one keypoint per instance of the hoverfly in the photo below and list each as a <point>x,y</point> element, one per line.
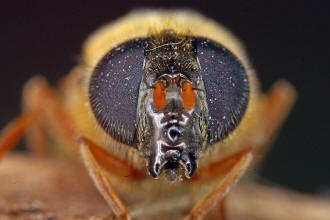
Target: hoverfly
<point>163,105</point>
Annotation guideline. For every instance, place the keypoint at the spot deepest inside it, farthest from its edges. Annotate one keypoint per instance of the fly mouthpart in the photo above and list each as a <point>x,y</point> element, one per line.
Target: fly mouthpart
<point>171,160</point>
<point>188,161</point>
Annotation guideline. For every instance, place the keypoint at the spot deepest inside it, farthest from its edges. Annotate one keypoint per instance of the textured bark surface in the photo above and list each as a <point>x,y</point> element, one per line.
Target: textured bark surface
<point>43,188</point>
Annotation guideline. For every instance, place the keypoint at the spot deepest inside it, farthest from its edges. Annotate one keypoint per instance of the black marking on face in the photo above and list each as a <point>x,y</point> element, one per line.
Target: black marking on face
<point>114,89</point>
<point>171,136</point>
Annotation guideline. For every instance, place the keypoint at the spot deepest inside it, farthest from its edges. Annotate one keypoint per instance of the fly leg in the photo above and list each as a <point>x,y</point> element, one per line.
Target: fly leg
<point>216,170</point>
<point>14,130</point>
<point>277,104</point>
<point>221,188</point>
<point>101,181</point>
<point>40,102</point>
<point>52,121</point>
<point>110,162</point>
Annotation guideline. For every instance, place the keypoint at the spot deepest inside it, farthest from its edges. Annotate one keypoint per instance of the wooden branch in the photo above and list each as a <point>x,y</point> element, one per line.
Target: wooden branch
<point>45,188</point>
<point>265,203</point>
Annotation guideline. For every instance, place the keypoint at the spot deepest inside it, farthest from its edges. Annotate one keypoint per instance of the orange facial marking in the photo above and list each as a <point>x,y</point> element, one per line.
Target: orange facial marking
<point>188,95</point>
<point>159,95</point>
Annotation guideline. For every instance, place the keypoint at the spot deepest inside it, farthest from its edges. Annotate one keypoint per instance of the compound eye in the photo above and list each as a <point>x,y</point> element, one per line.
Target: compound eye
<point>187,95</point>
<point>159,96</point>
<point>226,85</point>
<point>114,89</point>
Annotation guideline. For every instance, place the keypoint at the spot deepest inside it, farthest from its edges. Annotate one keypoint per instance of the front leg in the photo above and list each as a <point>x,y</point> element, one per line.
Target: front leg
<point>101,181</point>
<point>221,189</point>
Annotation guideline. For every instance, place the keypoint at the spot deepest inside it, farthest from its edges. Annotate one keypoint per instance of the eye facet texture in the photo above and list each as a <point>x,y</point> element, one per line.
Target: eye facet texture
<point>114,89</point>
<point>226,86</point>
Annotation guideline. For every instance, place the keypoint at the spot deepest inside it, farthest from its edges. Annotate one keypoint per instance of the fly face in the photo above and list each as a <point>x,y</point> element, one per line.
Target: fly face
<point>170,96</point>
<point>175,135</point>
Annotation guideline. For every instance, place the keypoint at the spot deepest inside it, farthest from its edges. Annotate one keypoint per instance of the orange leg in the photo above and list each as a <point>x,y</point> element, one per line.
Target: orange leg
<point>221,188</point>
<point>216,169</point>
<point>11,134</point>
<point>222,209</point>
<point>38,94</point>
<point>276,106</point>
<point>101,181</point>
<point>278,102</point>
<point>39,102</point>
<point>112,163</point>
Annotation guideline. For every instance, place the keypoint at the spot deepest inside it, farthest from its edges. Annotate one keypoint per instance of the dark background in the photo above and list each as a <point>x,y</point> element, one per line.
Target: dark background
<point>284,40</point>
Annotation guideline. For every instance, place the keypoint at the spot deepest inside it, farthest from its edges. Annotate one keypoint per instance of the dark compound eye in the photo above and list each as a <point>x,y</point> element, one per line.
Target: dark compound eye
<point>226,84</point>
<point>114,89</point>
